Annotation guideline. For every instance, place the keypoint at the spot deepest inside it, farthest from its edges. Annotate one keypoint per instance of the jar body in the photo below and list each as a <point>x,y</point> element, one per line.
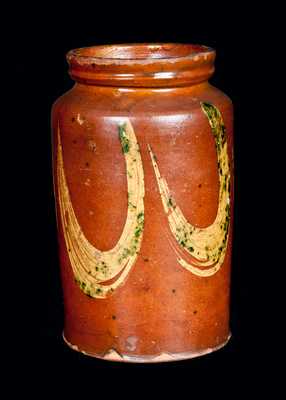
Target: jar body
<point>152,218</point>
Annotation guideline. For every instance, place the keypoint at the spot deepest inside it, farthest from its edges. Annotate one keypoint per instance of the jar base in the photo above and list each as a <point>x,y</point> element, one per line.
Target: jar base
<point>113,355</point>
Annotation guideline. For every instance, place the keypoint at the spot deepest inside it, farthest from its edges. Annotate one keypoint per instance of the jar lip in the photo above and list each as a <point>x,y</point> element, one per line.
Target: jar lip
<point>142,64</point>
<point>139,52</point>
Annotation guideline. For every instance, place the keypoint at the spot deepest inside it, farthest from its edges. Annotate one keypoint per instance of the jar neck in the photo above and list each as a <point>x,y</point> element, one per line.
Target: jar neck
<point>142,65</point>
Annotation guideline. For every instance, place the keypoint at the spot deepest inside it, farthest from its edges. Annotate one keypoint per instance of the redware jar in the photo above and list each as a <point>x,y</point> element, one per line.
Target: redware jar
<point>143,184</point>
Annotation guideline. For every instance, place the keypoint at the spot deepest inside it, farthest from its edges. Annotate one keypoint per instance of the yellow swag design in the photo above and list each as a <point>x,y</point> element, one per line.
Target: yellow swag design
<point>207,245</point>
<point>94,268</point>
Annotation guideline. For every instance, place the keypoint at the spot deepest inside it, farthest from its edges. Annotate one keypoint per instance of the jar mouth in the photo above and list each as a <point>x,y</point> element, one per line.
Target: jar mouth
<point>139,51</point>
<point>142,64</point>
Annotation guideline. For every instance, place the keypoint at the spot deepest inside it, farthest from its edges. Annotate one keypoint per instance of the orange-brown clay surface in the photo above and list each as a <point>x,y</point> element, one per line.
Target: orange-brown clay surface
<point>126,294</point>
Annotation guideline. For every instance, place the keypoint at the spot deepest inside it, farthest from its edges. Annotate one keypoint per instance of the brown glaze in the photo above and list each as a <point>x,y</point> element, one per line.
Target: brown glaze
<point>161,311</point>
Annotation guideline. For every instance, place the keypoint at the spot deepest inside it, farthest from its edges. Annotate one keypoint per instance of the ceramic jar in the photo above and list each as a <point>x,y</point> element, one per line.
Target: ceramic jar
<point>143,176</point>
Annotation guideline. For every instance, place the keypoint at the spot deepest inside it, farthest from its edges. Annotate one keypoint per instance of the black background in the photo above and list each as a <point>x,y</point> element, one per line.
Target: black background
<point>241,40</point>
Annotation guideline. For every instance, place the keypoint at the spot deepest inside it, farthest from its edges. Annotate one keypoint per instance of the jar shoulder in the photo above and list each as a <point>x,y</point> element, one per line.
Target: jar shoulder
<point>219,96</point>
<point>220,100</point>
<point>61,103</point>
<point>109,101</point>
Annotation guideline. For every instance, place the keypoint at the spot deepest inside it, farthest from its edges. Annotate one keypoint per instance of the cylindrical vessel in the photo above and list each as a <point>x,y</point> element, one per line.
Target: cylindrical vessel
<point>143,176</point>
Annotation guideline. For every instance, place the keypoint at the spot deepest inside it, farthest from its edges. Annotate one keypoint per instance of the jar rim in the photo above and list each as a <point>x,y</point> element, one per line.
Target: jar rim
<point>139,52</point>
<point>142,64</point>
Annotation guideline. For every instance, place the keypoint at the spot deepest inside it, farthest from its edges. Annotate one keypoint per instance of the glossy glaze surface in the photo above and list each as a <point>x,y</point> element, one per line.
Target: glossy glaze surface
<point>143,103</point>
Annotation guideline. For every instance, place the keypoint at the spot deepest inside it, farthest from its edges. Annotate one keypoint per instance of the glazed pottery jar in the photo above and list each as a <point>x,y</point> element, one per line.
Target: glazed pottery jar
<point>143,182</point>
